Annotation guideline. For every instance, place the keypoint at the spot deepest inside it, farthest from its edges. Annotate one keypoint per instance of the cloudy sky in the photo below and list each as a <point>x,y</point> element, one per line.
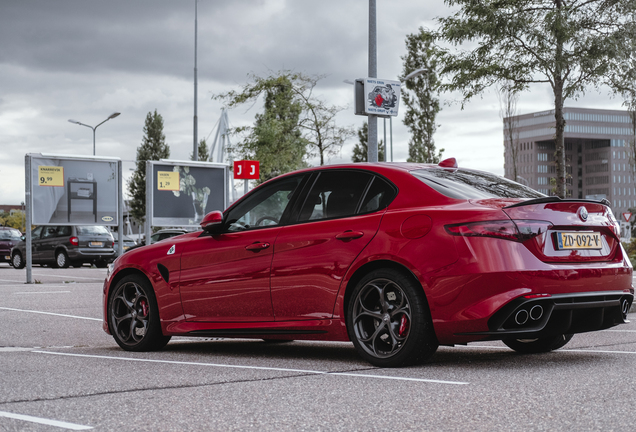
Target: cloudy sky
<point>83,60</point>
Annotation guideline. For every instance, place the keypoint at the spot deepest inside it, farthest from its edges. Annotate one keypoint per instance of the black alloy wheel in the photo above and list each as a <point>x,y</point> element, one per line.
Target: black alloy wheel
<point>538,345</point>
<point>17,260</point>
<point>133,316</point>
<point>61,259</point>
<point>389,322</point>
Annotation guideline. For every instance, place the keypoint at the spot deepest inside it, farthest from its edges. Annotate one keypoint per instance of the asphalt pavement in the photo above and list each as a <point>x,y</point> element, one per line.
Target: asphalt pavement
<point>60,371</point>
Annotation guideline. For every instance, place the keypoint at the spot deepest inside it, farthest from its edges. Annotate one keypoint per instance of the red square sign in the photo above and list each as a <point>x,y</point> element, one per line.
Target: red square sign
<point>246,169</point>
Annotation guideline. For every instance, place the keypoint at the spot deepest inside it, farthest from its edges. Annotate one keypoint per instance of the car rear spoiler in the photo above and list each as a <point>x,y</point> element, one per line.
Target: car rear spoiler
<point>552,199</point>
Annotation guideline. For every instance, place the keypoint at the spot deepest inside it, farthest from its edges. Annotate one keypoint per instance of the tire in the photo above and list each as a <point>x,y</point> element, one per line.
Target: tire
<point>17,261</point>
<point>133,316</point>
<point>389,322</point>
<point>61,259</point>
<point>539,345</point>
<point>101,264</point>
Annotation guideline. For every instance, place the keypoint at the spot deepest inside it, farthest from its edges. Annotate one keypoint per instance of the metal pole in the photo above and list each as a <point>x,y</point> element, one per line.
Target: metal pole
<point>149,187</point>
<point>120,197</point>
<point>94,140</point>
<point>195,150</point>
<point>391,134</point>
<point>385,152</point>
<point>29,218</point>
<point>372,144</point>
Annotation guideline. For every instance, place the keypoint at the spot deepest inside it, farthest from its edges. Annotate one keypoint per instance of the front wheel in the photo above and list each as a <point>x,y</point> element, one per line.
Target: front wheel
<point>538,345</point>
<point>17,261</point>
<point>388,320</point>
<point>133,316</point>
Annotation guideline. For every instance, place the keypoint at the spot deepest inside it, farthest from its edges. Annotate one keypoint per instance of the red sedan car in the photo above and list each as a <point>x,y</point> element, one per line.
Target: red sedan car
<point>397,258</point>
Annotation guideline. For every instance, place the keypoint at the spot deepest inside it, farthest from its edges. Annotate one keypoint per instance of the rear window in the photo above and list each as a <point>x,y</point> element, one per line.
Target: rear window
<point>10,235</point>
<point>468,184</point>
<point>88,229</point>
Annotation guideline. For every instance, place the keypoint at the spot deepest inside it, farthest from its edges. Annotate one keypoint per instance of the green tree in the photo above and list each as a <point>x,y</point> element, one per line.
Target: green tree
<point>319,134</point>
<point>153,147</point>
<point>15,220</point>
<point>569,45</point>
<point>203,152</point>
<point>361,148</point>
<point>276,139</point>
<point>421,104</point>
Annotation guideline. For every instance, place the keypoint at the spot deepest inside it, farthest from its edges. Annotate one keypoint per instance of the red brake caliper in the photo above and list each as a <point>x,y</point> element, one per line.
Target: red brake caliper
<point>404,326</point>
<point>144,308</point>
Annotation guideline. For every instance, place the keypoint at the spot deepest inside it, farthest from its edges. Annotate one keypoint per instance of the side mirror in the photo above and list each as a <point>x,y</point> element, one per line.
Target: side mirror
<point>212,221</point>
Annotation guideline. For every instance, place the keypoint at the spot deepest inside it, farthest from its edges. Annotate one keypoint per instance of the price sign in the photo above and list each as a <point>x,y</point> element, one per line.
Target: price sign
<point>168,180</point>
<point>50,176</point>
<point>247,169</point>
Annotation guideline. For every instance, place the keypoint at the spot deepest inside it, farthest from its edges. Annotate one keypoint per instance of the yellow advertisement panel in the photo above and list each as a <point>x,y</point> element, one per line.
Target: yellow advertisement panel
<point>167,180</point>
<point>51,176</point>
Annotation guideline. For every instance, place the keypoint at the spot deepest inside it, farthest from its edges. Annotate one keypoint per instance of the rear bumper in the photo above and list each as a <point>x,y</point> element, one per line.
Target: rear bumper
<point>91,255</point>
<point>527,318</point>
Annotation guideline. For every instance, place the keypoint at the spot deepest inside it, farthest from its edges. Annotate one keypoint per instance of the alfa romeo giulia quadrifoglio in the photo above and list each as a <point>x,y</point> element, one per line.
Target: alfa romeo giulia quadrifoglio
<point>397,258</point>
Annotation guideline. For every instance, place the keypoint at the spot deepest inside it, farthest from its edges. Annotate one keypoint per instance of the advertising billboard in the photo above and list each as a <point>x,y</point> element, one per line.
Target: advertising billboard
<point>377,96</point>
<point>74,190</point>
<point>180,193</point>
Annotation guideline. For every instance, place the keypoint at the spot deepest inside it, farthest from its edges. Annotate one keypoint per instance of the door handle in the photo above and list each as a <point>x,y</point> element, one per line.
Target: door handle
<point>349,235</point>
<point>256,246</point>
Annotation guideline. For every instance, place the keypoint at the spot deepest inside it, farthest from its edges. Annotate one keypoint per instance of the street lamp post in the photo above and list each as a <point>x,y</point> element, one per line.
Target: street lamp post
<point>112,116</point>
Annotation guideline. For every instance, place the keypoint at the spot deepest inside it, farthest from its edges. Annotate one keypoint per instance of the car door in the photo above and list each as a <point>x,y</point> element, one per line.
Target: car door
<point>35,244</point>
<point>340,215</point>
<point>225,276</point>
<point>46,244</point>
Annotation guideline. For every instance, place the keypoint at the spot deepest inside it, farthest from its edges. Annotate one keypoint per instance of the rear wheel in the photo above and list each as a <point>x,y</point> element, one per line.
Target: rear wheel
<point>61,259</point>
<point>538,345</point>
<point>389,322</point>
<point>101,264</point>
<point>17,261</point>
<point>133,316</point>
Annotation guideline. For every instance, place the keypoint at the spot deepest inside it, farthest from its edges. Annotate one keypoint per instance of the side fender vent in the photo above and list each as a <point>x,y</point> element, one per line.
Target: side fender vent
<point>165,273</point>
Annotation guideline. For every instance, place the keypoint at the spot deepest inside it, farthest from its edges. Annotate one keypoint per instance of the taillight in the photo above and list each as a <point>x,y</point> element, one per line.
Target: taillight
<point>74,241</point>
<point>517,230</point>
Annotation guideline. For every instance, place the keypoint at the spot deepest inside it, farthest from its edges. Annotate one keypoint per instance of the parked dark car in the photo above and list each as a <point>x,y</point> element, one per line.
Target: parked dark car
<point>129,242</point>
<point>9,237</point>
<point>61,246</point>
<point>159,236</point>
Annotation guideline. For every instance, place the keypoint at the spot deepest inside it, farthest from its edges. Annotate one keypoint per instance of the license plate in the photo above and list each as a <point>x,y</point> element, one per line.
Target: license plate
<point>578,240</point>
<point>96,244</point>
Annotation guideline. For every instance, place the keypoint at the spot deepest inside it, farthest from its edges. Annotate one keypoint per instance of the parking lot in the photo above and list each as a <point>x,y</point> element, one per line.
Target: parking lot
<point>60,371</point>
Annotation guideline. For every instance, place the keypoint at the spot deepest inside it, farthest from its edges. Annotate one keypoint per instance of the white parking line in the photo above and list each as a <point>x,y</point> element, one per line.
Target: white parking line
<point>348,374</point>
<point>48,422</point>
<point>559,350</point>
<point>49,313</point>
<point>68,276</point>
<point>42,292</point>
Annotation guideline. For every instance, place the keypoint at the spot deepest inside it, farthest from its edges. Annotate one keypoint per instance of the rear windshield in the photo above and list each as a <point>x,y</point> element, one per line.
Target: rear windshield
<point>87,229</point>
<point>10,235</point>
<point>468,184</point>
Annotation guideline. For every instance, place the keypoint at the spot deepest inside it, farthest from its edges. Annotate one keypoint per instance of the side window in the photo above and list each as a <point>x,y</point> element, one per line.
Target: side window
<point>36,233</point>
<point>64,231</point>
<point>49,232</point>
<point>263,208</point>
<point>378,197</point>
<point>334,194</point>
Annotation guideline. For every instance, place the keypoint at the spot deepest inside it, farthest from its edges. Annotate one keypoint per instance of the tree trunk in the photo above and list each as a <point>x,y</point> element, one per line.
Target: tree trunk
<point>561,171</point>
